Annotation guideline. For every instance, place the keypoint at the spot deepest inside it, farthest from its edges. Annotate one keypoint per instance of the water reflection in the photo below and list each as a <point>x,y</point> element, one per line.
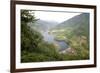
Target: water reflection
<point>50,39</point>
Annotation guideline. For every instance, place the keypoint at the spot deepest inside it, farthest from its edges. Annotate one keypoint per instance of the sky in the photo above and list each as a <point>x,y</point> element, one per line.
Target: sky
<point>54,16</point>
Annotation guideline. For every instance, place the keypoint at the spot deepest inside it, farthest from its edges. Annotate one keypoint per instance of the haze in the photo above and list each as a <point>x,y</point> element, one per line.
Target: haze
<point>54,16</point>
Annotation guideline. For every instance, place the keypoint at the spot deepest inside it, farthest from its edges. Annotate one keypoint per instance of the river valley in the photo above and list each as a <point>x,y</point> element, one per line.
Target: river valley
<point>62,45</point>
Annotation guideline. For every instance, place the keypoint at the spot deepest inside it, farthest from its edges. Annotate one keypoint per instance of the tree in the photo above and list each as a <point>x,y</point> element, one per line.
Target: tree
<point>33,47</point>
<point>26,16</point>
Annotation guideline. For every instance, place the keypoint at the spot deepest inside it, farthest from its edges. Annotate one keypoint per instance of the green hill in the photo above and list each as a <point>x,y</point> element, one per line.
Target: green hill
<point>77,24</point>
<point>42,25</point>
<point>75,32</point>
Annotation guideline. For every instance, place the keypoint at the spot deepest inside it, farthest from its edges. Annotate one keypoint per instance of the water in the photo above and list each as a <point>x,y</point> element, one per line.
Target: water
<point>62,45</point>
<point>50,39</point>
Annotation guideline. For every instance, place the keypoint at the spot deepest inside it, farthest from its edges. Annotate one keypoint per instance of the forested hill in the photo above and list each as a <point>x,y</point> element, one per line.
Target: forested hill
<point>75,31</point>
<point>42,25</point>
<point>76,20</point>
<point>78,24</point>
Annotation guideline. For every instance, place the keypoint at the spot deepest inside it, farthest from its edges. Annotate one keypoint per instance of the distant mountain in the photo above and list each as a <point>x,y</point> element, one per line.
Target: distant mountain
<point>78,24</point>
<point>43,25</point>
<point>79,19</point>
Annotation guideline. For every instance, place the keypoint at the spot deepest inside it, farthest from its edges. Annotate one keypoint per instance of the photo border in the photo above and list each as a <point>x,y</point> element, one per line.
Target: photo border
<point>13,35</point>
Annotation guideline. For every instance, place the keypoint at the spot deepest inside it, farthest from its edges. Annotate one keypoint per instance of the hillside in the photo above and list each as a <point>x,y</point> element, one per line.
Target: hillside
<point>43,25</point>
<point>78,25</point>
<point>76,20</point>
<point>75,32</point>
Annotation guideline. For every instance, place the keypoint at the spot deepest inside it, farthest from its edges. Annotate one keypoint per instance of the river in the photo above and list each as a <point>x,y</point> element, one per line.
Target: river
<point>50,39</point>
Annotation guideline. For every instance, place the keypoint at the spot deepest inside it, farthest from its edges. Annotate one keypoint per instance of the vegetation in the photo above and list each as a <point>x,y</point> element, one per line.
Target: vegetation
<point>76,33</point>
<point>35,49</point>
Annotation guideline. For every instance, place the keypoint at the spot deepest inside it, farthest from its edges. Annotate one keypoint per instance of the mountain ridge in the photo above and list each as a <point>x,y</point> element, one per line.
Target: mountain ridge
<point>76,19</point>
